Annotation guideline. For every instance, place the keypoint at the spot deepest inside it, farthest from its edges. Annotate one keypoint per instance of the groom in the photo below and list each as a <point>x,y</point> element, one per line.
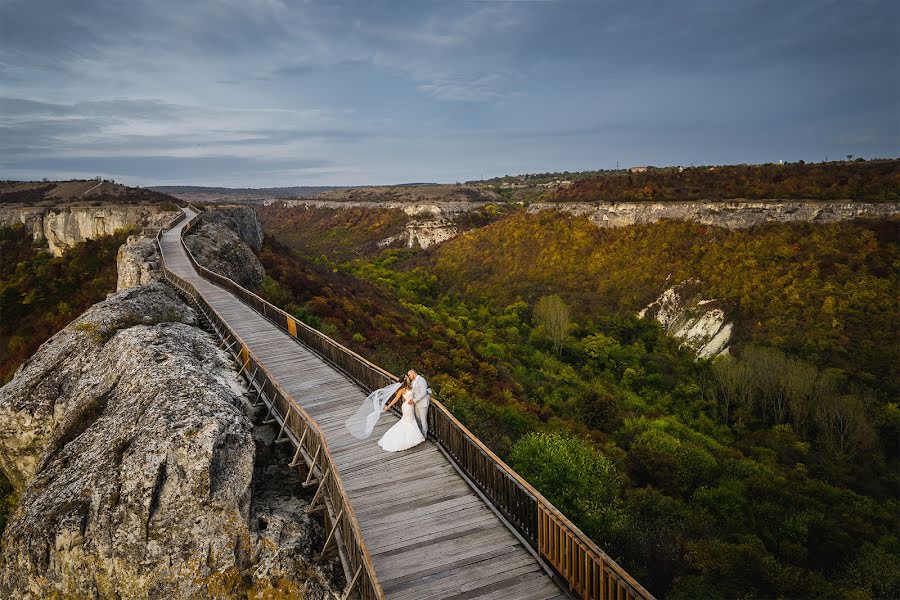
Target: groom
<point>420,398</point>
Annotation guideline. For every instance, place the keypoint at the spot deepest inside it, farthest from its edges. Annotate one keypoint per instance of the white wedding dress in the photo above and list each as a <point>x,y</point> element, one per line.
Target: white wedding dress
<point>405,433</point>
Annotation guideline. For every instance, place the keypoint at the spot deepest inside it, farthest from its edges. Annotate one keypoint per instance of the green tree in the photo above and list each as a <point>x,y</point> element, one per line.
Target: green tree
<point>577,478</point>
<point>553,315</point>
<point>733,385</point>
<point>844,426</point>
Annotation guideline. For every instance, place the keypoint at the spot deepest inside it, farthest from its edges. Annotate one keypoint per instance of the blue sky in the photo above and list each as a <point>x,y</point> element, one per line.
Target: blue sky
<point>272,92</point>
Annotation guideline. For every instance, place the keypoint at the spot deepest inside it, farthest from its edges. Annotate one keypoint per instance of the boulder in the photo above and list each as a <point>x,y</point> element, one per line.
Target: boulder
<point>129,441</point>
<point>224,241</point>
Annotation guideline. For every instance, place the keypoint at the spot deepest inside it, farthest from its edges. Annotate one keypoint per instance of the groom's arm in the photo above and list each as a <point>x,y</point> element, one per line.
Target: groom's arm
<point>420,390</point>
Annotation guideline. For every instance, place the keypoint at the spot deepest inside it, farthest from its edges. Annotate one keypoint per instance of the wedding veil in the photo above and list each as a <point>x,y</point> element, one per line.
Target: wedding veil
<point>361,423</point>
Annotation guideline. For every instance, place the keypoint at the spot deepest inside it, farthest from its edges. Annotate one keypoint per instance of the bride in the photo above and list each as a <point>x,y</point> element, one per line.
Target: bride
<point>405,433</point>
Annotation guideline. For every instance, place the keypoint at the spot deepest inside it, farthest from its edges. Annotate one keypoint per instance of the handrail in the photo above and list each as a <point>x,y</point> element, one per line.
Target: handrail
<point>587,569</point>
<point>301,429</point>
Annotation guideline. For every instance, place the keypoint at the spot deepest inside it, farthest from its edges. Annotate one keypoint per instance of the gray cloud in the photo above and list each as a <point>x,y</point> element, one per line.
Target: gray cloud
<point>168,168</point>
<point>374,92</point>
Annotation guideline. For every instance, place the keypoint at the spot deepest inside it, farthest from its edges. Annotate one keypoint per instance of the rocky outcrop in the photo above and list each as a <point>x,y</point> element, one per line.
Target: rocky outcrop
<point>242,220</point>
<point>138,260</point>
<point>128,438</point>
<point>429,222</point>
<point>700,324</point>
<point>735,214</point>
<point>48,388</point>
<point>434,222</point>
<point>62,228</point>
<point>222,242</point>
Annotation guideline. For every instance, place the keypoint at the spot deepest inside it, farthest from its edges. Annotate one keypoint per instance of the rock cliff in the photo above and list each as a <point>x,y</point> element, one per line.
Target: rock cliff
<point>684,314</point>
<point>429,222</point>
<point>62,228</point>
<point>222,242</point>
<point>138,260</point>
<point>140,471</point>
<point>728,214</point>
<point>434,222</point>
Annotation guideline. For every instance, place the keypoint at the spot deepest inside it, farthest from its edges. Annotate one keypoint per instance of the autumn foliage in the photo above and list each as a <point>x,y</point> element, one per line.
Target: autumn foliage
<point>41,294</point>
<point>870,181</point>
<point>772,473</point>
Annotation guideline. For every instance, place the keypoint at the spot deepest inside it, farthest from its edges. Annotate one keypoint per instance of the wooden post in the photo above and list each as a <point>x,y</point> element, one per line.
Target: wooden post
<point>270,416</point>
<point>331,533</point>
<point>244,366</point>
<point>299,447</point>
<point>232,343</point>
<point>269,413</point>
<point>278,439</point>
<point>312,504</point>
<point>352,584</point>
<point>309,478</point>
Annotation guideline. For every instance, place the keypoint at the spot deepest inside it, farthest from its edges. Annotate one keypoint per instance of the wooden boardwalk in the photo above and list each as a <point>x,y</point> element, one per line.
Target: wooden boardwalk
<point>429,533</point>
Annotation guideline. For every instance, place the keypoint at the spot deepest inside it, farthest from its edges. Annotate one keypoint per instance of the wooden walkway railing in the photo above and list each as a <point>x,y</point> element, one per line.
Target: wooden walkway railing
<point>587,570</point>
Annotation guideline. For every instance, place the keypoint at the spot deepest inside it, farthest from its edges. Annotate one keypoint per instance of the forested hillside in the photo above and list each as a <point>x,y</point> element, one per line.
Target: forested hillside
<point>771,473</point>
<point>336,234</point>
<point>78,192</point>
<point>40,294</point>
<point>869,181</point>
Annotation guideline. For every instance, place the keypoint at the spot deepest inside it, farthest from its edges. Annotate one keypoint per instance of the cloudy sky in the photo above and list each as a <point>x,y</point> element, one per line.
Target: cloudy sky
<point>278,92</point>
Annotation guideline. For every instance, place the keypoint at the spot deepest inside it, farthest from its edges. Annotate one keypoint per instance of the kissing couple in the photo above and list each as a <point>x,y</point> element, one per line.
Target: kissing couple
<point>407,432</point>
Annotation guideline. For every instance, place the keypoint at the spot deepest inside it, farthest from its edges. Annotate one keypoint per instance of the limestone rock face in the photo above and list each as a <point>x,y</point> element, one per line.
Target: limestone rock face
<point>129,441</point>
<point>138,261</point>
<point>242,220</point>
<point>48,387</point>
<point>222,242</point>
<point>429,222</point>
<point>699,323</point>
<point>62,228</point>
<point>160,221</point>
<point>736,214</point>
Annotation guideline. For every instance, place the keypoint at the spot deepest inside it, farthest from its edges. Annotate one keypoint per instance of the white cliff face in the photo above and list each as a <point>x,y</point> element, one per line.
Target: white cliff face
<point>138,261</point>
<point>62,228</point>
<point>700,324</point>
<point>435,222</point>
<point>430,223</point>
<point>736,214</point>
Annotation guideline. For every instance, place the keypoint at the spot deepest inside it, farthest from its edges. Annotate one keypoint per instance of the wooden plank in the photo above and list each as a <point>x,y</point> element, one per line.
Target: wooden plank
<point>481,586</point>
<point>524,590</point>
<point>443,552</point>
<point>415,538</point>
<point>446,582</point>
<point>413,570</point>
<point>445,523</point>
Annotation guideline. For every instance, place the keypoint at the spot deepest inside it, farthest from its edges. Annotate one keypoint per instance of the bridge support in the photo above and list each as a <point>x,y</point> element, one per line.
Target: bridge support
<point>349,589</point>
<point>279,439</point>
<point>310,480</point>
<point>334,527</point>
<point>293,462</point>
<point>312,504</point>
